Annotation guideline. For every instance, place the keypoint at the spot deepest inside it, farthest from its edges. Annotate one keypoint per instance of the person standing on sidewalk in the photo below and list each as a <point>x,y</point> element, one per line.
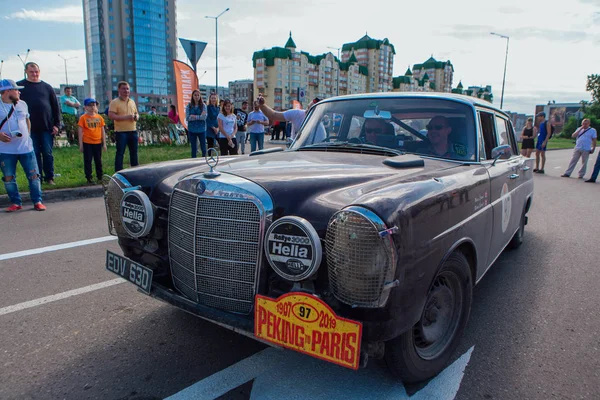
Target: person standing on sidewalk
<point>44,116</point>
<point>124,113</point>
<point>241,115</point>
<point>584,146</point>
<point>544,134</point>
<point>92,139</point>
<point>16,146</point>
<point>195,114</point>
<point>256,128</point>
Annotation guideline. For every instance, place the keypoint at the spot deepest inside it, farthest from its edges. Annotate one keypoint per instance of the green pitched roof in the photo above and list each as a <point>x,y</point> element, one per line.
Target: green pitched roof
<point>270,55</point>
<point>433,63</point>
<point>408,72</point>
<point>352,58</point>
<point>290,42</point>
<point>399,80</point>
<point>432,85</point>
<point>367,43</point>
<point>460,85</point>
<point>425,77</point>
<point>457,91</point>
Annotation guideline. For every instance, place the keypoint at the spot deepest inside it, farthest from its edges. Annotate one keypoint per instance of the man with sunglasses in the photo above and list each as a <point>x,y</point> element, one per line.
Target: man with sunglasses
<point>16,146</point>
<point>438,131</point>
<point>374,128</point>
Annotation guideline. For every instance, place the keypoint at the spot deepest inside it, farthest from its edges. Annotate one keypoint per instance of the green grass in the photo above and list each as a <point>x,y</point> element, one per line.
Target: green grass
<point>560,143</point>
<point>68,162</point>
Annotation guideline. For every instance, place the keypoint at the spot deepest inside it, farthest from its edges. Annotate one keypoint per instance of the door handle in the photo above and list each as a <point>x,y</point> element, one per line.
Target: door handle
<point>514,176</point>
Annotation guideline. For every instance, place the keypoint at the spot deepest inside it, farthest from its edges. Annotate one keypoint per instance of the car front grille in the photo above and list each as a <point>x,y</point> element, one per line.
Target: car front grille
<point>214,247</point>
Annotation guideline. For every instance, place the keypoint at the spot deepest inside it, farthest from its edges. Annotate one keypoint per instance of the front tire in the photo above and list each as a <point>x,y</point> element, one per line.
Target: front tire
<point>423,351</point>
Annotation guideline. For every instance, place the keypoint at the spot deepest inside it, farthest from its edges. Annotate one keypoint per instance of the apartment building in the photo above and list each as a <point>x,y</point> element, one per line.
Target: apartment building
<point>240,91</point>
<point>284,75</point>
<point>377,56</point>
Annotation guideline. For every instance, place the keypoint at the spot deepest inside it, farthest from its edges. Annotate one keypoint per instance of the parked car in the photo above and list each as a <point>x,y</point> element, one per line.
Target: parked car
<point>365,244</point>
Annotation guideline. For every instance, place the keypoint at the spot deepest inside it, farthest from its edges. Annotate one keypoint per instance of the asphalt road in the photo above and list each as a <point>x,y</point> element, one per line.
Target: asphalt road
<point>534,327</point>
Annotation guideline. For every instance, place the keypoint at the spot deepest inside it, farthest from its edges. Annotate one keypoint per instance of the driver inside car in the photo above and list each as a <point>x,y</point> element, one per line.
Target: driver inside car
<point>438,130</point>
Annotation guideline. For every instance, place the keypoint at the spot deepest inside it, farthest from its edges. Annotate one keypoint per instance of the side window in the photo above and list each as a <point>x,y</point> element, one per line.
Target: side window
<point>487,129</point>
<point>503,133</point>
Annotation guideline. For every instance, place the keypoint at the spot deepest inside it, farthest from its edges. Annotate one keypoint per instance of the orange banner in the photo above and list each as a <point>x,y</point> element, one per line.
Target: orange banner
<point>306,323</point>
<point>186,82</point>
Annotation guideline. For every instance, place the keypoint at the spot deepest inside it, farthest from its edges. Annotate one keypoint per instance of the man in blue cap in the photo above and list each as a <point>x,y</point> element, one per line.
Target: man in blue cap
<point>16,145</point>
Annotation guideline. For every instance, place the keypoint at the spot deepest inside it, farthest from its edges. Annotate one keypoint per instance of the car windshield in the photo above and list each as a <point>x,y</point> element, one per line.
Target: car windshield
<point>424,126</point>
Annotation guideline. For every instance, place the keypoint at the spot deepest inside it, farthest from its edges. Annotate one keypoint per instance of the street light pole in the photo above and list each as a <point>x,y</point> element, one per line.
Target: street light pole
<point>338,69</point>
<point>505,61</point>
<point>24,61</point>
<point>65,60</point>
<point>217,48</point>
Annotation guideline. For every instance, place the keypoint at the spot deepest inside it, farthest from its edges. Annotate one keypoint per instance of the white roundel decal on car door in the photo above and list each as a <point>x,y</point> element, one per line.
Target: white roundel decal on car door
<point>506,207</point>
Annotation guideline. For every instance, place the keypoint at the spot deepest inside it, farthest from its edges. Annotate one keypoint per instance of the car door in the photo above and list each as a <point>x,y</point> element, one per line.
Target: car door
<point>504,179</point>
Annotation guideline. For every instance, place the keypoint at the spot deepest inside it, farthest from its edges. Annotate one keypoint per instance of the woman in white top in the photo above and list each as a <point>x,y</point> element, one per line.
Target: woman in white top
<point>227,130</point>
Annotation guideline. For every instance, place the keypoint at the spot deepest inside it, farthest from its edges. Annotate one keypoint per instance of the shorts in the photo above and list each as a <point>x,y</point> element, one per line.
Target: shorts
<point>539,146</point>
<point>527,144</point>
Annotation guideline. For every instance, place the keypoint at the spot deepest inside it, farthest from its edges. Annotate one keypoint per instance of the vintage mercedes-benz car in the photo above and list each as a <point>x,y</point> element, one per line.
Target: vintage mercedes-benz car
<point>363,239</point>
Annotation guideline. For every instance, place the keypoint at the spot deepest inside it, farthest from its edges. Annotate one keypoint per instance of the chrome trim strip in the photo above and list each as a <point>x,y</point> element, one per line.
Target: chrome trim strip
<point>224,240</point>
<point>211,258</point>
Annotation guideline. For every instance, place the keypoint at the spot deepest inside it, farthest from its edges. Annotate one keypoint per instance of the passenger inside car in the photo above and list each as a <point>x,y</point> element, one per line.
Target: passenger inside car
<point>378,132</point>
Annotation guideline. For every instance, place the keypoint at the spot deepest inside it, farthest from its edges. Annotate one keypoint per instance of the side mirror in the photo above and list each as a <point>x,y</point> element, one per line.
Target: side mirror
<point>501,152</point>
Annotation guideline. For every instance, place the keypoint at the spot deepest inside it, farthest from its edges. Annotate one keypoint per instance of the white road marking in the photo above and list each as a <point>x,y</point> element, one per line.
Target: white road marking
<point>63,246</point>
<point>283,374</point>
<point>60,296</point>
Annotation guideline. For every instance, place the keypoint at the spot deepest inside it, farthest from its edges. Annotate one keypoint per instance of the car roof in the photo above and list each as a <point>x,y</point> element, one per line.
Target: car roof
<point>474,101</point>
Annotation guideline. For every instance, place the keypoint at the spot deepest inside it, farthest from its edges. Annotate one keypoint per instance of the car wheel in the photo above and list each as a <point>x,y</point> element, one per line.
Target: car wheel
<point>423,351</point>
<point>517,239</point>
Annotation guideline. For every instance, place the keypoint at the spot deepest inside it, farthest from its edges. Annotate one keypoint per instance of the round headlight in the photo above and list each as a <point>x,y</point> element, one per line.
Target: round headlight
<point>137,213</point>
<point>293,248</point>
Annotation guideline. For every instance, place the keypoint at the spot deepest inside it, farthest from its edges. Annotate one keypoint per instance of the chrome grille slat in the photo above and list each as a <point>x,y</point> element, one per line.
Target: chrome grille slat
<point>222,251</point>
<point>223,269</point>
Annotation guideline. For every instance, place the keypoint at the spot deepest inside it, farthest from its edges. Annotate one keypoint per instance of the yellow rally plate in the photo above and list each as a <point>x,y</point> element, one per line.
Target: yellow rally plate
<point>307,324</point>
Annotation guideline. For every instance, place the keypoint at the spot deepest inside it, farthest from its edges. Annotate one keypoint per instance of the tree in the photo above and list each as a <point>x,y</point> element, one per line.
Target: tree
<point>593,86</point>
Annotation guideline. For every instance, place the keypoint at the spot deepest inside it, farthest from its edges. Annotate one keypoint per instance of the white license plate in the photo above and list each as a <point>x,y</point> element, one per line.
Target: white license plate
<point>135,273</point>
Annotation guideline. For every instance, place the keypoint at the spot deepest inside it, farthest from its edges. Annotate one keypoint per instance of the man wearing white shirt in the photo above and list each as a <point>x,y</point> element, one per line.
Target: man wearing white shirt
<point>584,146</point>
<point>16,146</point>
<point>295,116</point>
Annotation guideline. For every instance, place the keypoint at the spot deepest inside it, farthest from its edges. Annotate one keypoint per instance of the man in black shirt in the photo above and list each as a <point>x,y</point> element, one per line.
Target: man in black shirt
<point>242,117</point>
<point>44,114</point>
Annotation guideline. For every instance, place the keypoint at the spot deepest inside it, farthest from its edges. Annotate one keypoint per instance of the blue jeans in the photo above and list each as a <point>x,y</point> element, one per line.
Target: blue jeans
<point>8,164</point>
<point>194,137</point>
<point>596,168</point>
<point>254,138</point>
<point>42,146</point>
<point>126,139</point>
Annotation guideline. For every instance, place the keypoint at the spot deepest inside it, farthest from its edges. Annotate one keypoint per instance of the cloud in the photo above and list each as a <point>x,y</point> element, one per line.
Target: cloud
<point>52,67</point>
<point>68,14</point>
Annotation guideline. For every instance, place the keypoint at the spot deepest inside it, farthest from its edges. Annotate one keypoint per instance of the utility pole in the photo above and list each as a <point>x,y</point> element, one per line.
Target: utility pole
<point>217,48</point>
<point>505,61</point>
<point>66,74</point>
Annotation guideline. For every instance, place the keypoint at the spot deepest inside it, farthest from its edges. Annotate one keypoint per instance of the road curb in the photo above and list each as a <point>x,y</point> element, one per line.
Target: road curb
<point>56,195</point>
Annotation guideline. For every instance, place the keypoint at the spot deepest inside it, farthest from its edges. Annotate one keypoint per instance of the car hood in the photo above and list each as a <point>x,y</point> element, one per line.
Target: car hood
<point>309,184</point>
